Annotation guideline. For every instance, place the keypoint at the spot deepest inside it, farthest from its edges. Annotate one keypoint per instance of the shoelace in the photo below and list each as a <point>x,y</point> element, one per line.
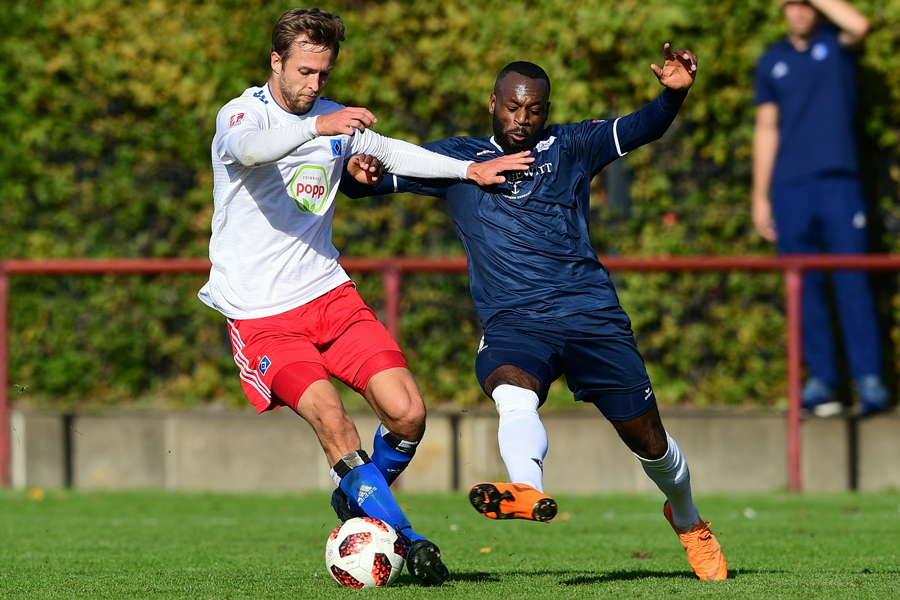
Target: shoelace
<point>705,547</point>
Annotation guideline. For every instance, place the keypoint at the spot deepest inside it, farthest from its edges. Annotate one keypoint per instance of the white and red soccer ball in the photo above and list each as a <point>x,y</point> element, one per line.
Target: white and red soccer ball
<point>364,553</point>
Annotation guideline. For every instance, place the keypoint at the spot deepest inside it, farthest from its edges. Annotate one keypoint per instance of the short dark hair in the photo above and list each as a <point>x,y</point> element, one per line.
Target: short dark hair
<point>321,28</point>
<point>529,70</point>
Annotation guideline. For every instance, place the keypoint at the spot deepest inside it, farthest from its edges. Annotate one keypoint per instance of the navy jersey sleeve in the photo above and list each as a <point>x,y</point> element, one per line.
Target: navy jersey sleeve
<point>601,142</point>
<point>765,90</point>
<point>391,184</point>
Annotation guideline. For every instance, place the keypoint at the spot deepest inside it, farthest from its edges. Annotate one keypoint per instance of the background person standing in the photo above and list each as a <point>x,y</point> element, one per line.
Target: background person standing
<point>807,194</point>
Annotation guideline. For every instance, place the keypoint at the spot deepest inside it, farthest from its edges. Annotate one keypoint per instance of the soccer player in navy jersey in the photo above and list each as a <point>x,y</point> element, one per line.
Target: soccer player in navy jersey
<point>807,195</point>
<point>547,305</point>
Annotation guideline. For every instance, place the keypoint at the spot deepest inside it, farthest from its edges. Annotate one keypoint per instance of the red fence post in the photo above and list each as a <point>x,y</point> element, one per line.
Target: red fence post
<point>5,434</point>
<point>793,289</point>
<point>391,281</point>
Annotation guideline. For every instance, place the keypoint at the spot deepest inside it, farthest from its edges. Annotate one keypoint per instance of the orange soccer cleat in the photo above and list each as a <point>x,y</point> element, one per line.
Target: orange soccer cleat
<point>512,501</point>
<point>703,550</point>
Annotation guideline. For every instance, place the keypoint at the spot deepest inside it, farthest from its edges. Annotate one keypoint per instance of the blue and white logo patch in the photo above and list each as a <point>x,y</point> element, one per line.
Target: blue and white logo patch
<point>545,144</point>
<point>336,147</point>
<point>819,51</point>
<point>264,364</point>
<point>780,70</point>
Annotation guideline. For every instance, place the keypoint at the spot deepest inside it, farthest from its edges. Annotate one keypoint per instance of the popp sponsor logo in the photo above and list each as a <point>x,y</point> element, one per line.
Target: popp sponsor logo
<point>309,188</point>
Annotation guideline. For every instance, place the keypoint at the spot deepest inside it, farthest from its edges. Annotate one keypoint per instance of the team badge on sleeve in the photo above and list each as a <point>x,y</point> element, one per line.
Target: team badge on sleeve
<point>336,147</point>
<point>236,120</point>
<point>597,121</point>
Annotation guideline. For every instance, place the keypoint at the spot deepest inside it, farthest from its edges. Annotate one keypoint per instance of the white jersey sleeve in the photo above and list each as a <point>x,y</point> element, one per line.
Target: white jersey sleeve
<point>274,186</point>
<point>247,140</point>
<point>271,248</point>
<point>408,160</point>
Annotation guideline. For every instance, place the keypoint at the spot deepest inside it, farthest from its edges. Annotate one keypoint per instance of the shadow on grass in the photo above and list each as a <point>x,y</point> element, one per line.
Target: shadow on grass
<point>593,578</point>
<point>588,579</point>
<point>407,579</point>
<point>574,577</point>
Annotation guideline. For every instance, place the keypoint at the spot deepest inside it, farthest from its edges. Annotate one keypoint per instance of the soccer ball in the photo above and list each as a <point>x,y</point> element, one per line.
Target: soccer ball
<point>364,553</point>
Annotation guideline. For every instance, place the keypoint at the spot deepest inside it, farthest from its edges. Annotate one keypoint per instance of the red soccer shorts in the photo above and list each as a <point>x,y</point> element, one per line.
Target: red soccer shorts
<point>335,334</point>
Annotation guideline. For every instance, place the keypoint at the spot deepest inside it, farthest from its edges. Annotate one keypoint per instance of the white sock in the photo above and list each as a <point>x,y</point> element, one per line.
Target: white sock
<point>522,437</point>
<point>672,476</point>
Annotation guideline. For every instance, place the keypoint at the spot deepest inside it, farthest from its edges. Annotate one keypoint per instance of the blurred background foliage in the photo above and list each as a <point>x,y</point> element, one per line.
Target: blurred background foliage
<point>109,110</point>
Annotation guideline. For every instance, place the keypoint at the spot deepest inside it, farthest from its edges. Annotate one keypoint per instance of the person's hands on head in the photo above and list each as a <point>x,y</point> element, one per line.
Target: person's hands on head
<point>678,70</point>
<point>365,169</point>
<point>346,121</point>
<point>491,172</point>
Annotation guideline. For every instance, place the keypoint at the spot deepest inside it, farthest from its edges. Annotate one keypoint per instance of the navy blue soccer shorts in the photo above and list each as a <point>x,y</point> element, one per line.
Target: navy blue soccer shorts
<point>595,350</point>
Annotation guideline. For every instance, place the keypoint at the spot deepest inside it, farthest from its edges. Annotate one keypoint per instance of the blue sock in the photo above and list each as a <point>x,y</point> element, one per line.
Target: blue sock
<point>391,454</point>
<point>366,488</point>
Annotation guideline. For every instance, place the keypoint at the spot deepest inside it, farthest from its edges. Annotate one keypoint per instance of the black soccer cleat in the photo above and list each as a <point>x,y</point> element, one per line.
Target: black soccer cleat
<point>341,506</point>
<point>423,560</point>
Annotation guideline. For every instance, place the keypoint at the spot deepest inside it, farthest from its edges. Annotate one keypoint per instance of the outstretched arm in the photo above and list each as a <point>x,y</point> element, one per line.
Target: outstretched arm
<point>409,160</point>
<point>641,127</point>
<point>364,176</point>
<point>253,146</point>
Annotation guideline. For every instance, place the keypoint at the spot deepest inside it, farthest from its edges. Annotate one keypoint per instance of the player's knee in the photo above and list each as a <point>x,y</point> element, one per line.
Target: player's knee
<point>650,444</point>
<point>510,375</point>
<point>403,413</point>
<point>408,425</point>
<point>399,403</point>
<point>654,450</point>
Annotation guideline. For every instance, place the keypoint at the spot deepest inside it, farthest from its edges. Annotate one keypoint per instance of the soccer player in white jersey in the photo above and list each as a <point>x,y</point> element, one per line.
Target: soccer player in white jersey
<point>295,317</point>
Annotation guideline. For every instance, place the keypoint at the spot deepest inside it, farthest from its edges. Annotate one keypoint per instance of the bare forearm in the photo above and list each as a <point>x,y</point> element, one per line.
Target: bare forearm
<point>765,148</point>
<point>853,24</point>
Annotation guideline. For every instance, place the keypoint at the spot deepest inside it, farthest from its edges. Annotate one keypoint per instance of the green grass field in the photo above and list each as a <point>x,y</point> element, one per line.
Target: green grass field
<point>149,544</point>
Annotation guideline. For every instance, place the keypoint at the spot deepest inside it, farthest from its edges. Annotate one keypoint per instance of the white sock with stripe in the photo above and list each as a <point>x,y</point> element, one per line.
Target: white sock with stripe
<point>672,476</point>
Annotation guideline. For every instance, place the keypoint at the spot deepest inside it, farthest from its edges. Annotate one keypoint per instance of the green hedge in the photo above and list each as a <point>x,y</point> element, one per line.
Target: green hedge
<point>109,110</point>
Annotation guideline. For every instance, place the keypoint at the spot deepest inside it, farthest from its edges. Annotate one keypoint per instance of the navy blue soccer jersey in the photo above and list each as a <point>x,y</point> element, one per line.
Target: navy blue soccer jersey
<point>527,243</point>
<point>815,91</point>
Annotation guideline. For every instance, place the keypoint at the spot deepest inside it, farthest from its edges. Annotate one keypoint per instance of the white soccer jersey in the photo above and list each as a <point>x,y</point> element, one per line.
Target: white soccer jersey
<point>271,247</point>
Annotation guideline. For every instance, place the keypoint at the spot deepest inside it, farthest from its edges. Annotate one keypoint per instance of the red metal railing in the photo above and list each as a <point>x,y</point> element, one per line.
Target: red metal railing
<point>392,270</point>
